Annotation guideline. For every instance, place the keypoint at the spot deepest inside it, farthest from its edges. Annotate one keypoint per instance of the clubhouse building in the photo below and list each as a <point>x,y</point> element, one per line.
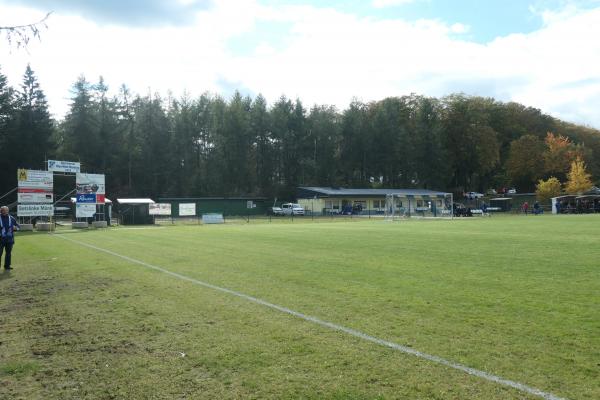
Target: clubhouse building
<point>407,202</point>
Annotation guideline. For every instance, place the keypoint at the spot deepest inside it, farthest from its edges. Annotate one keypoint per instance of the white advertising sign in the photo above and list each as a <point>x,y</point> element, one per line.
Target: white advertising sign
<point>64,166</point>
<point>85,210</point>
<point>27,196</point>
<point>32,179</point>
<point>35,210</point>
<point>34,186</point>
<point>187,209</point>
<point>160,209</point>
<point>90,185</point>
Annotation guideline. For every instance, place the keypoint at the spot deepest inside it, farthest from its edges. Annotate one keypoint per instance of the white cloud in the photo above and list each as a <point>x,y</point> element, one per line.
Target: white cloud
<point>389,3</point>
<point>326,56</point>
<point>459,28</point>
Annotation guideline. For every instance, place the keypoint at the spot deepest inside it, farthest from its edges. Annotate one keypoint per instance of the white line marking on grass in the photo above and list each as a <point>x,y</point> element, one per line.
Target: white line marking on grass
<point>438,360</point>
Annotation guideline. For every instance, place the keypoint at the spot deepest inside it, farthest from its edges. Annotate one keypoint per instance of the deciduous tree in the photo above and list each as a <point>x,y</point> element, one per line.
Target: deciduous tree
<point>579,181</point>
<point>547,189</point>
<point>525,164</point>
<point>560,153</point>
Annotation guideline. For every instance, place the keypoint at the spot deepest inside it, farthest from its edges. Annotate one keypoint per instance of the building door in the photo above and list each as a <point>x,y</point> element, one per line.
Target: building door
<point>346,207</point>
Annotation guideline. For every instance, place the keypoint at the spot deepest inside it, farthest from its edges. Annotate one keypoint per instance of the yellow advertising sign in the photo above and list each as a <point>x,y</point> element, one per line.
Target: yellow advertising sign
<point>21,174</point>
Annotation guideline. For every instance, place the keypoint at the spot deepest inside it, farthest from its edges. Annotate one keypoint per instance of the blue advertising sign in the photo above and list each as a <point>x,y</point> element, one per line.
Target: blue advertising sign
<point>89,198</point>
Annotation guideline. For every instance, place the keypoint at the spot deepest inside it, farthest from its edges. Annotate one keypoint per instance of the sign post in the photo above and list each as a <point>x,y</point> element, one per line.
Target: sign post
<point>91,190</point>
<point>35,193</point>
<point>64,166</point>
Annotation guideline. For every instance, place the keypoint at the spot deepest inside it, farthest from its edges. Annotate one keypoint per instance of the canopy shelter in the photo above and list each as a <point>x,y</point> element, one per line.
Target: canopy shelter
<point>587,204</point>
<point>135,211</point>
<point>564,204</point>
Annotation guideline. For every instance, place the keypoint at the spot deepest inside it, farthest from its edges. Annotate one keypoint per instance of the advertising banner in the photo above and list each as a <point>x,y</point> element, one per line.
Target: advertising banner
<point>85,198</point>
<point>90,184</point>
<point>27,196</point>
<point>187,209</point>
<point>64,166</point>
<point>34,186</point>
<point>85,210</point>
<point>160,209</point>
<point>35,210</point>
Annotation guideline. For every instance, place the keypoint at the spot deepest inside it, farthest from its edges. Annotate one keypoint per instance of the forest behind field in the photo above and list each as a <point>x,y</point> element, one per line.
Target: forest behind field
<point>153,146</point>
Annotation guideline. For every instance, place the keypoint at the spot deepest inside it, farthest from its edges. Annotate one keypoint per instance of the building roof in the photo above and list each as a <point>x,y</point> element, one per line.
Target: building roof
<point>337,192</point>
<point>244,198</point>
<point>135,201</point>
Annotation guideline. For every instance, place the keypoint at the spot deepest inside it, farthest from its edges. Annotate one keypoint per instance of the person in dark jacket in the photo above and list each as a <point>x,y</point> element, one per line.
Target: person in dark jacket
<point>8,225</point>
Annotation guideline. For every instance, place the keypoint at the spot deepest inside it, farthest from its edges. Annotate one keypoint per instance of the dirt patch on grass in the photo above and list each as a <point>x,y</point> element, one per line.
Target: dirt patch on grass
<point>38,330</point>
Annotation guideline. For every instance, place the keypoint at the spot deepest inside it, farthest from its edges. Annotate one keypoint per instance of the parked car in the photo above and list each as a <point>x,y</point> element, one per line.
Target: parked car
<point>292,209</point>
<point>512,191</point>
<point>473,195</point>
<point>277,211</point>
<point>491,192</point>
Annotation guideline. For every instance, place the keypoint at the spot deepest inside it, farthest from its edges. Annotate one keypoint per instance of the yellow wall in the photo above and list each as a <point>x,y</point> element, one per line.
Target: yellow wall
<point>312,204</point>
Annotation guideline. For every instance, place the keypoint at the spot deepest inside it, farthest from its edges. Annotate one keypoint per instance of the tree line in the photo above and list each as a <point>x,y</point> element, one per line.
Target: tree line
<point>148,145</point>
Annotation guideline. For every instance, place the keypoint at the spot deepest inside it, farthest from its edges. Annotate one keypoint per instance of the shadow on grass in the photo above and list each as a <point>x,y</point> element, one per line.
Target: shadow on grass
<point>6,275</point>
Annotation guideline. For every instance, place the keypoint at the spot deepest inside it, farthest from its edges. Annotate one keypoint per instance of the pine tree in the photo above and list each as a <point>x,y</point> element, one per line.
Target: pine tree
<point>34,127</point>
<point>7,116</point>
<point>260,130</point>
<point>79,131</point>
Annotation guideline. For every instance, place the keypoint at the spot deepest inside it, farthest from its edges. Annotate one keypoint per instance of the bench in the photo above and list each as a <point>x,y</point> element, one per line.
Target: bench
<point>213,219</point>
<point>480,212</point>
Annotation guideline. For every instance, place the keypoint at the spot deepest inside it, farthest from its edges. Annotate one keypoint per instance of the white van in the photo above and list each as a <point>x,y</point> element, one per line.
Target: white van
<point>292,209</point>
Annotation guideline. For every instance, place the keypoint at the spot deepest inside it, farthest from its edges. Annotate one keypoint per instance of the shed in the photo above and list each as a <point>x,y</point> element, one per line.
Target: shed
<point>135,211</point>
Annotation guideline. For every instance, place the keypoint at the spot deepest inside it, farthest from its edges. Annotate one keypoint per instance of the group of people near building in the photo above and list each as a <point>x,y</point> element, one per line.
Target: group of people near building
<point>578,206</point>
<point>535,210</point>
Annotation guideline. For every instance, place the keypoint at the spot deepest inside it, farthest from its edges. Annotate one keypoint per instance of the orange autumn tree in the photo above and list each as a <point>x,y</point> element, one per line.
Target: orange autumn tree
<point>579,181</point>
<point>560,153</point>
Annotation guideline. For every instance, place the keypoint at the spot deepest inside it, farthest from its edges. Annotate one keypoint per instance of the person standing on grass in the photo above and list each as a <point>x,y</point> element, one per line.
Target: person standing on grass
<point>525,207</point>
<point>8,224</point>
<point>536,208</point>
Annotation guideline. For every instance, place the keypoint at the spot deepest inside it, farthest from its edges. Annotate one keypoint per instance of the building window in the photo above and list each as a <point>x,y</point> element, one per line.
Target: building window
<point>332,205</point>
<point>359,205</point>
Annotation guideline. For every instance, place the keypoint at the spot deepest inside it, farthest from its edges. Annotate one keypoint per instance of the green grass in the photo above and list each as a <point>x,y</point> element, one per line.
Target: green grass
<point>518,297</point>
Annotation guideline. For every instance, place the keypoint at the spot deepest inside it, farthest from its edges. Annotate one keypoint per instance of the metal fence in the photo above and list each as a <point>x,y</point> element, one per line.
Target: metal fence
<point>270,219</point>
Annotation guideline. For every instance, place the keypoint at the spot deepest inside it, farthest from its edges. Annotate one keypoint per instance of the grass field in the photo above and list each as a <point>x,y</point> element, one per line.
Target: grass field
<point>517,297</point>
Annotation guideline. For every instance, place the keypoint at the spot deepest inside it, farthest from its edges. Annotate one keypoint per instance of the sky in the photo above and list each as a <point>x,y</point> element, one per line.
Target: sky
<point>541,53</point>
